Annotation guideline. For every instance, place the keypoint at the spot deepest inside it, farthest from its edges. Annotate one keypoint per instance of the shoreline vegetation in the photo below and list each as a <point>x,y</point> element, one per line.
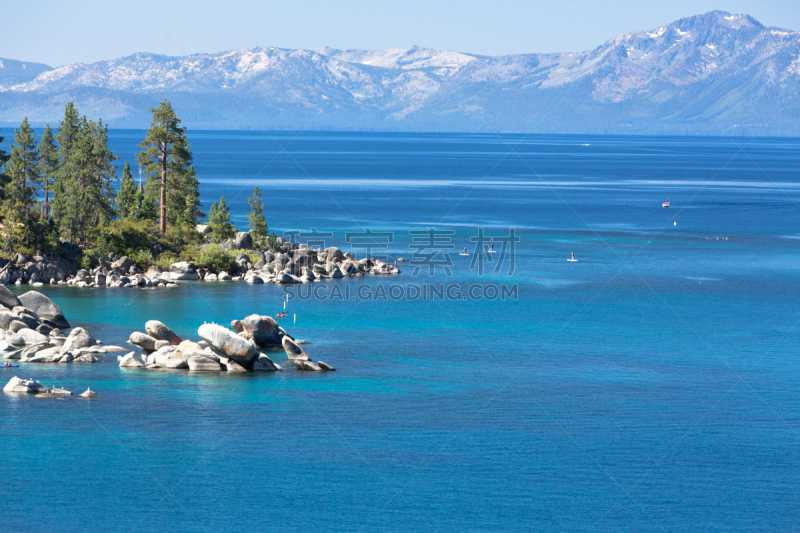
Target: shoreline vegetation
<point>62,221</point>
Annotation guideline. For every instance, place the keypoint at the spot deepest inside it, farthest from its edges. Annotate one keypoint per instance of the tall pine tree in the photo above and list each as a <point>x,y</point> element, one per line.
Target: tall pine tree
<point>256,218</point>
<point>171,178</point>
<point>67,137</point>
<point>128,197</point>
<point>48,167</point>
<point>3,176</point>
<point>85,182</point>
<point>19,205</point>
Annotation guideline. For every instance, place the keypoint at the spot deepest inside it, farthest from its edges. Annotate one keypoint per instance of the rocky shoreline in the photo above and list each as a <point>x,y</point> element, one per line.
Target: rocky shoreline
<point>292,263</point>
<point>31,332</point>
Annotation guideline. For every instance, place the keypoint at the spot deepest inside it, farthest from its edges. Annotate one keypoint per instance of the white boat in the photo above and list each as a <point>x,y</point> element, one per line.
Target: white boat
<point>665,204</point>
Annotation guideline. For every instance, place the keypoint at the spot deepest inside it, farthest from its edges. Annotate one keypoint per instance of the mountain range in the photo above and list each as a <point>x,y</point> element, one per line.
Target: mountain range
<point>710,74</point>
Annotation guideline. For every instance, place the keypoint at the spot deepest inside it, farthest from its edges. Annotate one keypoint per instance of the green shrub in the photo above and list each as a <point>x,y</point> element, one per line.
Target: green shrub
<point>142,258</point>
<point>89,259</point>
<point>216,259</point>
<point>125,237</point>
<point>251,255</point>
<point>165,260</point>
<point>272,243</point>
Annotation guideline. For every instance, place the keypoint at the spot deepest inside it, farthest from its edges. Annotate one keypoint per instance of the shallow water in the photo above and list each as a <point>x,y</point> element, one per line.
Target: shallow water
<point>649,386</point>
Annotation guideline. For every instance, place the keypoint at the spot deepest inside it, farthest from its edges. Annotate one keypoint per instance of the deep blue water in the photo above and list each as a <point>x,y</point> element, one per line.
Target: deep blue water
<point>651,386</point>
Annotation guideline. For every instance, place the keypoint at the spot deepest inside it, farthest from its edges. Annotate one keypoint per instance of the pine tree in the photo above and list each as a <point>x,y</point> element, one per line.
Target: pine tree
<point>148,209</point>
<point>127,198</point>
<point>86,194</point>
<point>3,176</point>
<point>23,173</point>
<point>48,167</point>
<point>256,218</point>
<point>171,179</point>
<point>68,132</point>
<point>219,218</point>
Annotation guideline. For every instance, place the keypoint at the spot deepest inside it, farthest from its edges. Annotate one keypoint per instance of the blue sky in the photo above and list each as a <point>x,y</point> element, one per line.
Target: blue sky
<point>59,32</point>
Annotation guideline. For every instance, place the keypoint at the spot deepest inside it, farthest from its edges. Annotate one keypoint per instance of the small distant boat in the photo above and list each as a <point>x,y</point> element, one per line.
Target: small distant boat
<point>572,259</point>
<point>665,204</point>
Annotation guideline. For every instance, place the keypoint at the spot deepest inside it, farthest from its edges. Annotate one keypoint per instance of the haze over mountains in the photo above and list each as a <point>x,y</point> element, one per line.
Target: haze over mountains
<point>709,74</point>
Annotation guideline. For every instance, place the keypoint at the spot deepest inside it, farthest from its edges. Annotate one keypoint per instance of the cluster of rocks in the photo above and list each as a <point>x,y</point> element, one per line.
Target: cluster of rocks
<point>220,349</point>
<point>290,263</point>
<point>303,264</point>
<point>37,270</point>
<point>30,386</point>
<point>31,332</point>
<point>121,272</point>
<point>300,358</point>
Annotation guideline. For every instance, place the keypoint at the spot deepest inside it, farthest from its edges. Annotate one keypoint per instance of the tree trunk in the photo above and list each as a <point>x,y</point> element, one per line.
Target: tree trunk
<point>163,226</point>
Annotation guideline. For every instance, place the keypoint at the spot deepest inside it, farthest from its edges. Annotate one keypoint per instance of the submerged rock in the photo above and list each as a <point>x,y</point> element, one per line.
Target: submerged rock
<point>308,366</point>
<point>131,359</point>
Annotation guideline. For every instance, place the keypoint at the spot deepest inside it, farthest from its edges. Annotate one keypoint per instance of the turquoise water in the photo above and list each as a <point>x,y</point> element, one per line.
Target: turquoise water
<point>652,385</point>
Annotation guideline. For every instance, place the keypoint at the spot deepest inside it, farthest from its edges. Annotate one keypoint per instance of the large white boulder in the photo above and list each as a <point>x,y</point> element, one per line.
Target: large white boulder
<point>262,330</point>
<point>32,337</point>
<point>44,308</point>
<point>142,340</point>
<point>160,332</point>
<point>24,385</point>
<point>230,344</point>
<point>78,338</point>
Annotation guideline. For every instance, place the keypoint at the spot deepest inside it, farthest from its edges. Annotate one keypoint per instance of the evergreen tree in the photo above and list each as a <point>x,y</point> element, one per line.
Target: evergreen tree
<point>23,173</point>
<point>128,197</point>
<point>86,193</point>
<point>256,218</point>
<point>219,218</point>
<point>272,243</point>
<point>68,132</point>
<point>3,176</point>
<point>148,208</point>
<point>48,167</point>
<point>171,179</point>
